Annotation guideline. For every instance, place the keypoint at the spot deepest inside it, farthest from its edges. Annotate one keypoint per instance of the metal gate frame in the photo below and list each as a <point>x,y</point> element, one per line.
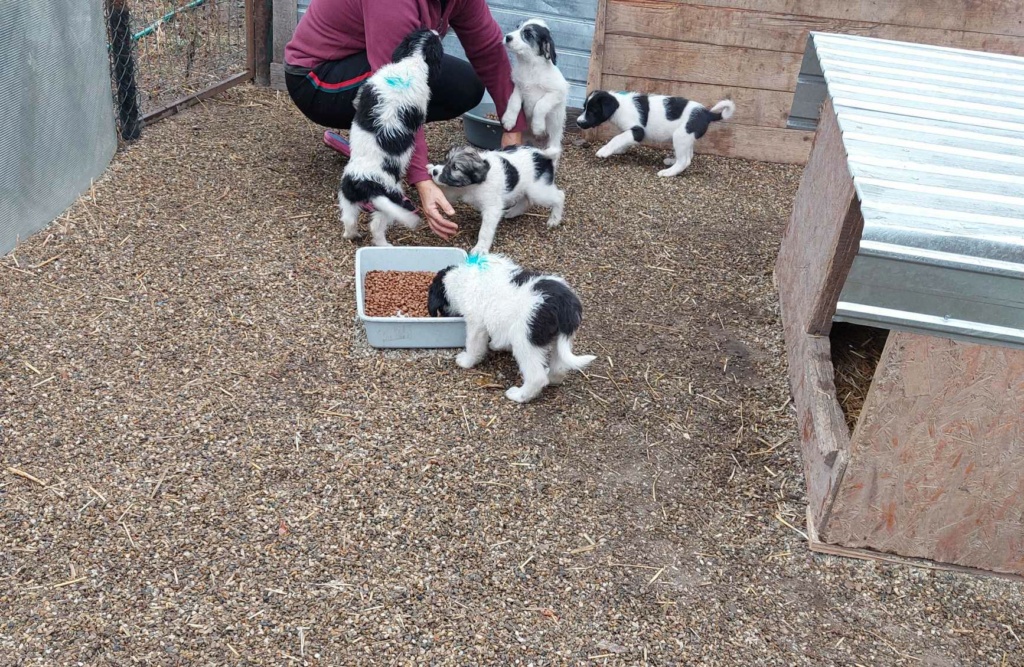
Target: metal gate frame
<point>258,37</point>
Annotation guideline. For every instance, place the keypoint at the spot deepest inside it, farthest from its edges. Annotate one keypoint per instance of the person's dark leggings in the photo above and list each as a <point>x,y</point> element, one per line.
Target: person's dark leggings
<point>325,94</point>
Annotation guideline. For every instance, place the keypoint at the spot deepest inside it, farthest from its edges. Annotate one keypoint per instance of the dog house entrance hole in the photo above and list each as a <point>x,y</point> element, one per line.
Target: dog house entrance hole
<point>856,351</point>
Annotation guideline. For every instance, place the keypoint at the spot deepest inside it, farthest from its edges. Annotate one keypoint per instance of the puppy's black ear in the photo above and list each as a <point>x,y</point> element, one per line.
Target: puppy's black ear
<point>546,45</point>
<point>437,296</point>
<point>433,55</point>
<point>406,47</point>
<point>609,105</point>
<point>481,169</point>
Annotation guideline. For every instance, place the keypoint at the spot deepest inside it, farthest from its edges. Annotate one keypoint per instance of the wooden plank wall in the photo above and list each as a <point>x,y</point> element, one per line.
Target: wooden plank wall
<point>750,51</point>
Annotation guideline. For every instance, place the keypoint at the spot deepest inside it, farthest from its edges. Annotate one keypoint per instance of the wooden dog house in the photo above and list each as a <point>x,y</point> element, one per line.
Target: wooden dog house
<point>910,218</point>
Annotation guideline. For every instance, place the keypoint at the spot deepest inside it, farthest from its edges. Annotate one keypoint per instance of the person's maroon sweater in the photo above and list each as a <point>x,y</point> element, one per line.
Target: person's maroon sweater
<point>335,29</point>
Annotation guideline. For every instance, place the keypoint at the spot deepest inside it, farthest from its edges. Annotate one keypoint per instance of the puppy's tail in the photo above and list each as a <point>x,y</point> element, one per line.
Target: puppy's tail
<point>722,111</point>
<point>397,208</point>
<point>553,153</point>
<point>564,350</point>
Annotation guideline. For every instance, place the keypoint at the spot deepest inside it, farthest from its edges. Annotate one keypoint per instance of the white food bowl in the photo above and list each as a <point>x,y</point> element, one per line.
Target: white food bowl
<point>408,332</point>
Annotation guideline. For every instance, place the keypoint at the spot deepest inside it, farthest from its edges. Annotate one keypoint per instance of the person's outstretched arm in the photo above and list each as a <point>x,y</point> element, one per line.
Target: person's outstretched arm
<point>484,43</point>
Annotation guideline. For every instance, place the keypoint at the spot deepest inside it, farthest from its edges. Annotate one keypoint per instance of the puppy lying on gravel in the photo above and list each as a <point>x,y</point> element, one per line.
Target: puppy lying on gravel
<point>501,184</point>
<point>534,315</point>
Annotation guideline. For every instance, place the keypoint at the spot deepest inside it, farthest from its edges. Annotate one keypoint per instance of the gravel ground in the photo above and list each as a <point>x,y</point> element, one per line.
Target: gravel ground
<point>225,473</point>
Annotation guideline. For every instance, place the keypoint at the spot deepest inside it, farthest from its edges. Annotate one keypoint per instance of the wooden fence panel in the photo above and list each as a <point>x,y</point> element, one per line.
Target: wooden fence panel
<point>751,50</point>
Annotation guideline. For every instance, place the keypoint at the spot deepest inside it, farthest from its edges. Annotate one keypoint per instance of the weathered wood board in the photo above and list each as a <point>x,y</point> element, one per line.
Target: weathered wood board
<point>781,31</point>
<point>936,463</point>
<point>751,50</point>
<point>817,250</point>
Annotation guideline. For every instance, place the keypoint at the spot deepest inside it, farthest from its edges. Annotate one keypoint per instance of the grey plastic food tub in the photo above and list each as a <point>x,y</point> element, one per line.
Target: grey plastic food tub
<point>408,332</point>
<point>481,131</point>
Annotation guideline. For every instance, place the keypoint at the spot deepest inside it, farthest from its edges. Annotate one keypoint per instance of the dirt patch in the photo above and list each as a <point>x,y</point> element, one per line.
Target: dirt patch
<point>228,474</point>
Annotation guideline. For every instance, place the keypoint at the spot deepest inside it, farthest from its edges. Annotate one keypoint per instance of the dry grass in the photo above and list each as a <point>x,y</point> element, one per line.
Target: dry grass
<point>201,461</point>
<point>856,351</point>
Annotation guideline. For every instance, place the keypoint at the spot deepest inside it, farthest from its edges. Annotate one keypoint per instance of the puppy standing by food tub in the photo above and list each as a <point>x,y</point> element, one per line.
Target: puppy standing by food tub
<point>501,184</point>
<point>506,307</point>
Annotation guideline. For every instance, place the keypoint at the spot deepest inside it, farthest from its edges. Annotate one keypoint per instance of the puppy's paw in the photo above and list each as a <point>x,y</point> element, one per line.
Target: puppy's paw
<point>554,221</point>
<point>604,152</point>
<point>668,173</point>
<point>669,161</point>
<point>557,378</point>
<point>465,360</point>
<point>480,249</point>
<point>516,394</point>
<point>538,129</point>
<point>508,121</point>
<point>351,234</point>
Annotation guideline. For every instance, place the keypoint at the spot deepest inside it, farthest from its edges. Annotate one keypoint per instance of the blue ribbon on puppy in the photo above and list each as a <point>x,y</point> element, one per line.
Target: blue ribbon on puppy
<point>478,261</point>
<point>397,82</point>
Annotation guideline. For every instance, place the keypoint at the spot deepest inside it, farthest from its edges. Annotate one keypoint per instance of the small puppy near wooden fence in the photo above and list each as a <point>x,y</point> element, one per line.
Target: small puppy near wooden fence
<point>501,184</point>
<point>652,119</point>
<point>540,89</point>
<point>507,307</point>
<point>390,107</point>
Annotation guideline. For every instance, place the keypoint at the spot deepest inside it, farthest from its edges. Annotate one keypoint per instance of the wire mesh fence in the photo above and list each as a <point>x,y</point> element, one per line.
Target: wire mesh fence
<point>164,52</point>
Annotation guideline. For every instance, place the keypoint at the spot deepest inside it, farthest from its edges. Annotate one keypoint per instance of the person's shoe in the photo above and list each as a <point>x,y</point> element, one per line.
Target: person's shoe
<point>338,143</point>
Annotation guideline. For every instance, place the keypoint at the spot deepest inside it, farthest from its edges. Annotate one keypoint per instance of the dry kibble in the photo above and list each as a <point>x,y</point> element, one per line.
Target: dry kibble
<point>397,293</point>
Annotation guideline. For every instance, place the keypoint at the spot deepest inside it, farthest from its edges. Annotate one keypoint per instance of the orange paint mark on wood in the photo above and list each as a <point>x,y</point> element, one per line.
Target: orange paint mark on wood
<point>889,516</point>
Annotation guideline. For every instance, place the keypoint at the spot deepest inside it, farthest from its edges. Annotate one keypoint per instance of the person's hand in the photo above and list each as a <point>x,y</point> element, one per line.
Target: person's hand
<point>435,207</point>
<point>511,139</point>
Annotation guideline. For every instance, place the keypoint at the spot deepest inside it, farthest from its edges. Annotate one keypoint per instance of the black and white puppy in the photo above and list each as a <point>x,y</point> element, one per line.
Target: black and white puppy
<point>652,119</point>
<point>500,184</point>
<point>507,307</point>
<point>540,89</point>
<point>390,107</point>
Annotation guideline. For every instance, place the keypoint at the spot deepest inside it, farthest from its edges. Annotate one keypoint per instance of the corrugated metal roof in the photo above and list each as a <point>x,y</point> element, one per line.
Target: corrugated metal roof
<point>935,144</point>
